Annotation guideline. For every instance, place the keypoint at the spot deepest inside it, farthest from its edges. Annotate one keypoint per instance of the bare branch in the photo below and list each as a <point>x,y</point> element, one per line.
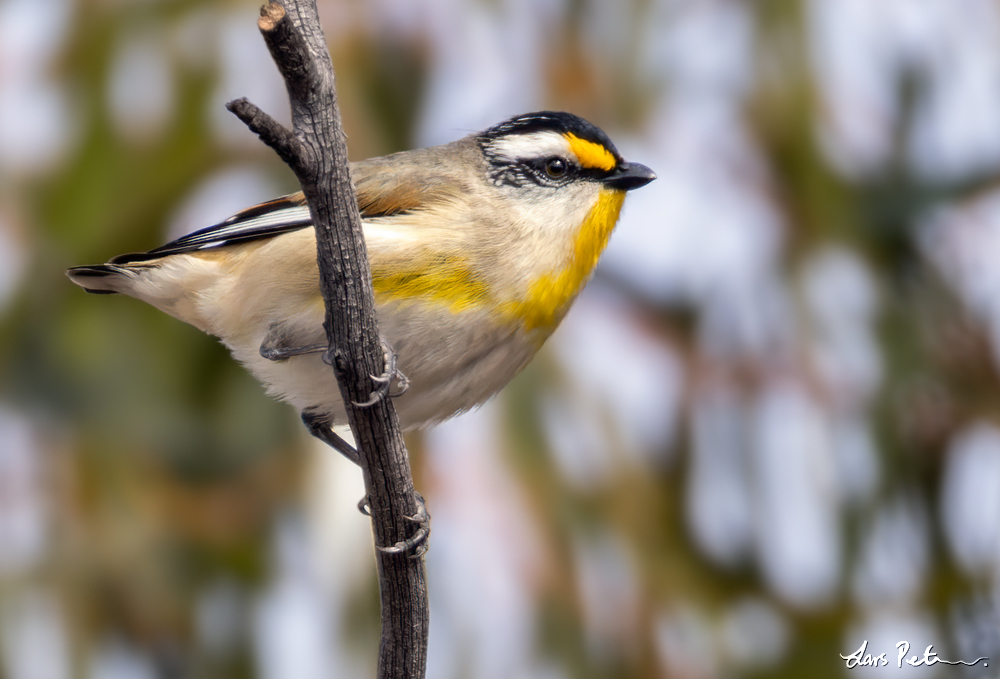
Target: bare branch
<point>271,132</point>
<point>317,152</point>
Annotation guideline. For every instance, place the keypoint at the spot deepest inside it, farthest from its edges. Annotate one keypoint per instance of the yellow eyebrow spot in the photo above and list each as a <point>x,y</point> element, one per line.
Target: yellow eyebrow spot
<point>589,154</point>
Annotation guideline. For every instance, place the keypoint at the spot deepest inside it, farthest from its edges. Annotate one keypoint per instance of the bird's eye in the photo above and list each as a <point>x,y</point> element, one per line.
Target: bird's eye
<point>556,167</point>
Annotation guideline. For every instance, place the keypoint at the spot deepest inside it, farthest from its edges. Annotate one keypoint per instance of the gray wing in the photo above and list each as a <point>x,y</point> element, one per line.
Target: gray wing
<point>384,186</point>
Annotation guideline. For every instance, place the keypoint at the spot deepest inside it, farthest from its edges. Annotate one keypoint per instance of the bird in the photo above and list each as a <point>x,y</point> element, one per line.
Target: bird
<point>477,250</point>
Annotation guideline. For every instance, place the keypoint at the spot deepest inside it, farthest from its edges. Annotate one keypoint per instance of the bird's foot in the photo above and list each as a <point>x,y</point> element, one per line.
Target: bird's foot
<point>386,379</point>
<point>319,427</point>
<point>416,545</point>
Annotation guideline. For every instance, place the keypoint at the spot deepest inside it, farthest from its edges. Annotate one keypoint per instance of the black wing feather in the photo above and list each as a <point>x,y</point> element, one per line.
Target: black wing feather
<point>275,217</point>
<point>382,189</point>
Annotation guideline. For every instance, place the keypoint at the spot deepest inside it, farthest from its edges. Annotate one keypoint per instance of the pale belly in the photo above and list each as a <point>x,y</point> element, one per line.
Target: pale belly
<point>453,362</point>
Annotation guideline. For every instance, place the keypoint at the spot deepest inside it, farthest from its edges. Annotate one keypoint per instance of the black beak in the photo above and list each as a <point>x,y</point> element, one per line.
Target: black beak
<point>628,176</point>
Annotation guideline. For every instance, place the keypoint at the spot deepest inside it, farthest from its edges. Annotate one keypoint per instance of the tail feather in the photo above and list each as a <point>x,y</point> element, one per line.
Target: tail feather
<point>100,279</point>
<point>171,285</point>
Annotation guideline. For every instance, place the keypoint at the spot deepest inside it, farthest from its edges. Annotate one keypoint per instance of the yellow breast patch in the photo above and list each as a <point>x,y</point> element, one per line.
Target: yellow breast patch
<point>450,282</point>
<point>445,280</point>
<point>549,297</point>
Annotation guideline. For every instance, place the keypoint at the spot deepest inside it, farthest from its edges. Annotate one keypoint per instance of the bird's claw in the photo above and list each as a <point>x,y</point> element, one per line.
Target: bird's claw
<point>385,380</point>
<point>414,546</point>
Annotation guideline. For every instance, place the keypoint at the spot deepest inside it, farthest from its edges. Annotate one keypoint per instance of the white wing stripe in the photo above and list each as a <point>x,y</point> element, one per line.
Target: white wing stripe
<point>286,216</point>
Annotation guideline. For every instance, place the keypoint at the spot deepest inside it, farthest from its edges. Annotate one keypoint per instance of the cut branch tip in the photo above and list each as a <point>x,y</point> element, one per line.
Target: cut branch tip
<point>270,15</point>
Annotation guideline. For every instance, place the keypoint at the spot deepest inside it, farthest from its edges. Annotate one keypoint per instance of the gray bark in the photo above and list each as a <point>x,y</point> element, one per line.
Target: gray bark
<point>316,151</point>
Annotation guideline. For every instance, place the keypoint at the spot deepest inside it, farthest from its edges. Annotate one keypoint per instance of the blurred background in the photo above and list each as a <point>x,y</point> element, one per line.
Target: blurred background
<point>768,431</point>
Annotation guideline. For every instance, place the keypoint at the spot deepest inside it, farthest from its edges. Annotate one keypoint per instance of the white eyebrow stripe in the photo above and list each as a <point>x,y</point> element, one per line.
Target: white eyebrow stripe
<point>533,145</point>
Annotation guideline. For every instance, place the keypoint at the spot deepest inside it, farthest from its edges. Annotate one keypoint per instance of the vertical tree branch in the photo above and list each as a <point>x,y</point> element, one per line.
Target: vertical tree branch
<point>316,151</point>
